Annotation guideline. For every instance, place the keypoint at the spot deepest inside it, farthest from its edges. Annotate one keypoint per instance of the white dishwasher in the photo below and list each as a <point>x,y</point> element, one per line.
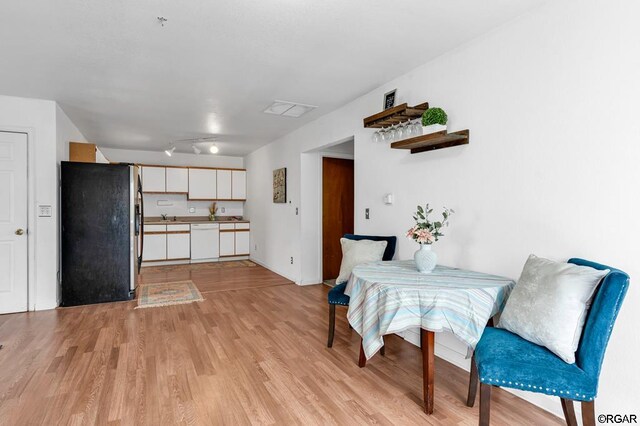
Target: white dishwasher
<point>205,241</point>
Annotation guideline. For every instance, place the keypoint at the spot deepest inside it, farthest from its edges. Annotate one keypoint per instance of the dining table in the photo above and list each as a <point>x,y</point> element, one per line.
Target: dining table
<point>389,297</point>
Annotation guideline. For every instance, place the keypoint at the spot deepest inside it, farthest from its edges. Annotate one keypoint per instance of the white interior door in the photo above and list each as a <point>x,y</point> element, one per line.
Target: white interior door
<point>13,222</point>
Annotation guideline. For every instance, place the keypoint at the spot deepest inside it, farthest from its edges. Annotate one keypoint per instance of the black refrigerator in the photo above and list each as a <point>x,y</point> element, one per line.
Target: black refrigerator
<point>101,209</point>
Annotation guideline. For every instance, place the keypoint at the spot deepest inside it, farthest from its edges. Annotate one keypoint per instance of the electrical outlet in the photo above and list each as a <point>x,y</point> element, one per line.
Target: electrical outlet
<point>192,209</point>
<point>292,260</point>
<point>366,213</point>
<point>296,211</point>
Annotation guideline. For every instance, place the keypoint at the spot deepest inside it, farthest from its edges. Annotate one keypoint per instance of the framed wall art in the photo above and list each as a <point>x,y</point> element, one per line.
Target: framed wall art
<point>280,185</point>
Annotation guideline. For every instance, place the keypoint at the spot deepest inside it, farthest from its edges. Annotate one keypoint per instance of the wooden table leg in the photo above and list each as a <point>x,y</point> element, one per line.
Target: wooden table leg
<point>362,360</point>
<point>428,370</point>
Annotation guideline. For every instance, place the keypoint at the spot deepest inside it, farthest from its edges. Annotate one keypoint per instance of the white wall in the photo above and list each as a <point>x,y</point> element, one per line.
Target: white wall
<point>177,159</point>
<point>551,100</point>
<point>38,118</point>
<point>66,132</point>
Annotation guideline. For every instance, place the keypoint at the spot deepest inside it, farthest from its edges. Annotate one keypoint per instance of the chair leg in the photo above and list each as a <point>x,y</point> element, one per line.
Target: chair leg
<point>485,404</point>
<point>332,324</point>
<point>473,382</point>
<point>588,413</point>
<point>569,413</point>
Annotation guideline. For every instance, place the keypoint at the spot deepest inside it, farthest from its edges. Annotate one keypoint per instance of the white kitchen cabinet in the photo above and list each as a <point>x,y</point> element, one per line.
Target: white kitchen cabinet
<point>227,243</point>
<point>224,184</point>
<point>155,247</point>
<point>202,184</point>
<point>242,243</point>
<point>238,184</point>
<point>179,246</point>
<point>153,179</point>
<point>177,179</point>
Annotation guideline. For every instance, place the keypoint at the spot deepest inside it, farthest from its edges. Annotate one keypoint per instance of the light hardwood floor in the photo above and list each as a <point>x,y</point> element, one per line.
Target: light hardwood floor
<point>256,355</point>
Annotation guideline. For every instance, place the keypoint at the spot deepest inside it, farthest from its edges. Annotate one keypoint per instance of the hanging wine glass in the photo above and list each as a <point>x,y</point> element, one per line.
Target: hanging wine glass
<point>386,135</point>
<point>412,129</point>
<point>417,127</point>
<point>376,137</point>
<point>393,133</point>
<point>401,132</point>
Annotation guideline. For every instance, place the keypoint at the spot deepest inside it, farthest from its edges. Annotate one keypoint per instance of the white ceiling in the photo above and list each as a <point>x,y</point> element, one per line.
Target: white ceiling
<point>128,82</point>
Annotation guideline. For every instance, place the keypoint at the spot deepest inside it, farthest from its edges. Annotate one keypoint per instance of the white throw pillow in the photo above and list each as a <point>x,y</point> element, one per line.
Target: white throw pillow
<point>357,252</point>
<point>549,304</point>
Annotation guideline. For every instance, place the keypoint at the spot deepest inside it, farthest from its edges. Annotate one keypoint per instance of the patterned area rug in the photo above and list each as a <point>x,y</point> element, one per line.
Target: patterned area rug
<point>166,294</point>
<point>208,265</point>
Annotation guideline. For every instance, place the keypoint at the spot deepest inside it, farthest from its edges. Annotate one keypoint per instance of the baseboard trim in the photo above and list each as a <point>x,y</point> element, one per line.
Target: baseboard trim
<point>264,265</point>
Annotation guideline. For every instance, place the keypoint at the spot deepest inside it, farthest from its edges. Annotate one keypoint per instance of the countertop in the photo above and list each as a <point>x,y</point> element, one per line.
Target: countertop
<point>189,220</point>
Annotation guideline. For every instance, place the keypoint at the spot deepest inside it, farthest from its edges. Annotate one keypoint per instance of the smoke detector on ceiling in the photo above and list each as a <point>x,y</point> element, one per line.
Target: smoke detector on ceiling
<point>288,109</point>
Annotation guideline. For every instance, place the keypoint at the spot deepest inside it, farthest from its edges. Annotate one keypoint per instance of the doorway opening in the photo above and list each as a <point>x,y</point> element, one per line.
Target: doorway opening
<point>338,192</point>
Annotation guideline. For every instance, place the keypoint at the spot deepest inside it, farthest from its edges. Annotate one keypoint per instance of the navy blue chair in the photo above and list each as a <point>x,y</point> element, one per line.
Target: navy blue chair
<point>336,295</point>
<point>504,359</point>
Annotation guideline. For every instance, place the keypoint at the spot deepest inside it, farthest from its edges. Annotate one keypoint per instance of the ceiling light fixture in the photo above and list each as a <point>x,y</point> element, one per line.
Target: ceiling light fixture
<point>214,149</point>
<point>169,151</point>
<point>196,150</point>
<point>288,109</point>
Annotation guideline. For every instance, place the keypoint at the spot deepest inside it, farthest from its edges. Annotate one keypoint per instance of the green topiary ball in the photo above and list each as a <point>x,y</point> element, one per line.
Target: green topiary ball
<point>434,116</point>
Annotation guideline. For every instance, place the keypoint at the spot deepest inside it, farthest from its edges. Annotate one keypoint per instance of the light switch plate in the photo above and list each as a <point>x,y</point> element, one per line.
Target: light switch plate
<point>44,211</point>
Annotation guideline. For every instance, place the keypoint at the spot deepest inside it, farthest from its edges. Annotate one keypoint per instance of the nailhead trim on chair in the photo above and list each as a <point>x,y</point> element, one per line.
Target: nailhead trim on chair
<point>522,385</point>
<point>343,304</point>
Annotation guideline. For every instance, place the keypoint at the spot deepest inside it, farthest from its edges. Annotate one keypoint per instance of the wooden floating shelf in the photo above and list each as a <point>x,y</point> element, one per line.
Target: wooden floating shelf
<point>397,114</point>
<point>433,141</point>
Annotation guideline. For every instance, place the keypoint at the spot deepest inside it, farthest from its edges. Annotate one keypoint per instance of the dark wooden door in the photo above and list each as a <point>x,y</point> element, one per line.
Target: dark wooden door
<point>337,212</point>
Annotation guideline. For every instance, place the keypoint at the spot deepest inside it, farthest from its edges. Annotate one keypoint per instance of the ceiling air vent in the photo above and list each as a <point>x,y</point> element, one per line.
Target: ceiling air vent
<point>288,109</point>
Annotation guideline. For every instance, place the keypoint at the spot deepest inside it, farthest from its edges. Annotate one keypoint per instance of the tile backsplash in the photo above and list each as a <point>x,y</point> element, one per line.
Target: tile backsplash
<point>178,205</point>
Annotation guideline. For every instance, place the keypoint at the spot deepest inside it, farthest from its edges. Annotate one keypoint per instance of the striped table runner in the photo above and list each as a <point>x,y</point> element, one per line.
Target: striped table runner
<point>390,297</point>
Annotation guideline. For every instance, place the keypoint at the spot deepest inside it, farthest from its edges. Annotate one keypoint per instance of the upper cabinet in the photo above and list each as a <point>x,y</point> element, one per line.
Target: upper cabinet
<point>238,184</point>
<point>224,184</point>
<point>153,179</point>
<point>200,183</point>
<point>203,184</point>
<point>177,180</point>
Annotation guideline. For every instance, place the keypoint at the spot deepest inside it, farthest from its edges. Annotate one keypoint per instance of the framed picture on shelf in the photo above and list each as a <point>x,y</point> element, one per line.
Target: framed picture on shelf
<point>390,99</point>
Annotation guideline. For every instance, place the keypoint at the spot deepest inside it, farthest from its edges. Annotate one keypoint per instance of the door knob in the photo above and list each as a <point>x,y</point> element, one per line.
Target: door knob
<point>19,231</point>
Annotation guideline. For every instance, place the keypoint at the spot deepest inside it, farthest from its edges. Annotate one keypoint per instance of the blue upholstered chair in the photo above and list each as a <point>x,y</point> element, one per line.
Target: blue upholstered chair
<point>336,295</point>
<point>504,359</point>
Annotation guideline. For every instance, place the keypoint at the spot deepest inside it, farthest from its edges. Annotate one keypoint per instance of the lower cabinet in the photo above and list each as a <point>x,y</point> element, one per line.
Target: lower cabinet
<point>227,243</point>
<point>173,242</point>
<point>179,246</point>
<point>155,247</point>
<point>234,242</point>
<point>242,243</point>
